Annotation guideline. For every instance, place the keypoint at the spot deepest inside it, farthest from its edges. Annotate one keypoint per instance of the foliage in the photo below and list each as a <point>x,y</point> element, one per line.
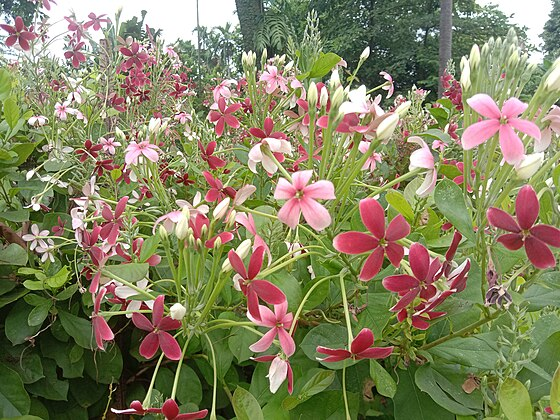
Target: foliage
<point>551,30</point>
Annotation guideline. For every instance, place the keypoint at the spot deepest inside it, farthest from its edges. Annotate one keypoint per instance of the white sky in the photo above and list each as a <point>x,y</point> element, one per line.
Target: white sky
<point>177,18</point>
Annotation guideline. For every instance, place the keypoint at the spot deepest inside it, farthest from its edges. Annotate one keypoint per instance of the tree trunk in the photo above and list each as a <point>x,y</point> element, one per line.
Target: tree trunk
<point>249,13</point>
<point>445,38</point>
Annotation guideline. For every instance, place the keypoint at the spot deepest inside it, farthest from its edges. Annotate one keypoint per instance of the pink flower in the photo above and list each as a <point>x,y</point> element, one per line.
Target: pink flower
<point>62,110</point>
<point>277,146</point>
<point>137,408</point>
<point>546,134</point>
<point>248,222</point>
<point>220,115</point>
<point>301,199</point>
<point>389,86</point>
<point>170,410</point>
<point>109,145</point>
<point>502,121</point>
<point>274,80</point>
<point>280,369</point>
<point>158,336</point>
<point>523,232</point>
<point>207,155</point>
<point>222,90</point>
<point>101,329</point>
<point>37,120</point>
<point>137,58</point>
<point>278,322</point>
<point>76,55</point>
<point>423,158</point>
<point>144,148</point>
<point>360,348</point>
<point>36,237</point>
<point>96,21</point>
<point>252,287</point>
<point>217,190</point>
<point>381,242</point>
<point>371,162</point>
<point>18,33</point>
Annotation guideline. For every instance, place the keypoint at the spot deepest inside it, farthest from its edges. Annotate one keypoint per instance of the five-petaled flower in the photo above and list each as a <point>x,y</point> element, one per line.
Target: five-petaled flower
<point>502,121</point>
<point>158,336</point>
<point>524,232</point>
<point>273,79</point>
<point>18,33</point>
<point>301,198</point>
<point>278,322</point>
<point>101,329</point>
<point>220,115</point>
<point>381,242</point>
<point>360,348</point>
<point>144,148</point>
<point>279,370</point>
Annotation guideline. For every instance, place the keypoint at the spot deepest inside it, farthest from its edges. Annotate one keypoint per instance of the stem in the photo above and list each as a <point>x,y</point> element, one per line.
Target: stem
<point>213,412</point>
<point>346,312</point>
<point>304,300</point>
<point>146,402</point>
<point>129,284</point>
<point>178,371</point>
<point>346,408</point>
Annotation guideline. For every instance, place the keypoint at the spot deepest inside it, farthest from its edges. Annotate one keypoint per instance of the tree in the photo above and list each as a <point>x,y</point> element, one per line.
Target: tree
<point>9,9</point>
<point>445,38</point>
<point>250,13</point>
<point>551,33</point>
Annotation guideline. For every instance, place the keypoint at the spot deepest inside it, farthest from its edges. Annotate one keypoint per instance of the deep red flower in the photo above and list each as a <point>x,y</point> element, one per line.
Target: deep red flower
<point>113,221</point>
<point>382,242</point>
<point>267,132</point>
<point>76,55</point>
<point>18,33</point>
<point>223,115</point>
<point>136,408</point>
<point>96,21</point>
<point>158,336</point>
<point>207,155</point>
<point>89,150</point>
<point>535,238</point>
<point>360,348</point>
<point>170,410</point>
<point>101,329</point>
<point>217,190</point>
<point>252,287</point>
<point>135,56</point>
<point>137,244</point>
<point>198,222</point>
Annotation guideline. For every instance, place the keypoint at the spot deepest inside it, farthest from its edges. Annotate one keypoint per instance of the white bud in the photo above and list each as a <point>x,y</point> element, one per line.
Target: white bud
<point>387,127</point>
<point>529,165</point>
<point>334,81</point>
<point>154,125</point>
<point>365,54</point>
<point>552,81</point>
<point>337,98</point>
<point>242,250</point>
<point>30,174</point>
<point>162,232</point>
<point>312,96</point>
<point>182,227</point>
<point>119,134</point>
<point>289,66</point>
<point>177,311</point>
<point>465,74</point>
<point>403,108</point>
<point>324,97</point>
<point>513,59</point>
<point>474,58</point>
<point>221,208</point>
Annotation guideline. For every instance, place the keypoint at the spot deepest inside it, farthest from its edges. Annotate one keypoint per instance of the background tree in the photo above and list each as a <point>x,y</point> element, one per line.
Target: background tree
<point>551,33</point>
<point>445,38</point>
<point>250,13</point>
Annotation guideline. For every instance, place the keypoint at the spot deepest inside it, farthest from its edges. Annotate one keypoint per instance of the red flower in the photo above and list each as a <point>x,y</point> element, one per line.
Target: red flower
<point>96,21</point>
<point>158,336</point>
<point>170,410</point>
<point>200,220</point>
<point>524,232</point>
<point>267,132</point>
<point>217,190</point>
<point>223,115</point>
<point>250,286</point>
<point>137,244</point>
<point>136,408</point>
<point>18,33</point>
<point>111,228</point>
<point>76,55</point>
<point>89,150</point>
<point>382,242</point>
<point>206,154</point>
<point>360,348</point>
<point>136,57</point>
<point>101,329</point>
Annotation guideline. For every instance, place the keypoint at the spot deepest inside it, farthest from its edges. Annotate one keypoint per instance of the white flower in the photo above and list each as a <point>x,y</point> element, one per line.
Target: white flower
<point>257,156</point>
<point>177,311</point>
<point>529,165</point>
<point>124,292</point>
<point>36,237</point>
<point>277,373</point>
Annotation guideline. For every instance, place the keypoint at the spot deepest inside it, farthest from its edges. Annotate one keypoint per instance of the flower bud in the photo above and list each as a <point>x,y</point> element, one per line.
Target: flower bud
<point>264,57</point>
<point>337,98</point>
<point>119,134</point>
<point>513,59</point>
<point>403,108</point>
<point>387,127</point>
<point>182,227</point>
<point>217,243</point>
<point>552,81</point>
<point>177,311</point>
<point>465,74</point>
<point>334,81</point>
<point>154,125</point>
<point>242,250</point>
<point>230,222</point>
<point>221,208</point>
<point>289,66</point>
<point>162,232</point>
<point>529,165</point>
<point>474,58</point>
<point>324,98</point>
<point>312,96</point>
<point>365,54</point>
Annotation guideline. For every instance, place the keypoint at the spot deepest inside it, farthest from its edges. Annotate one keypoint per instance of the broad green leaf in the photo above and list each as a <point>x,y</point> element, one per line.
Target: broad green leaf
<point>15,216</point>
<point>86,392</point>
<point>555,392</point>
<point>79,329</point>
<point>59,279</point>
<point>25,361</point>
<point>324,65</point>
<point>5,83</point>
<point>327,405</point>
<point>39,314</point>
<point>149,247</point>
<point>290,286</point>
<point>384,382</point>
<point>23,150</point>
<point>16,328</point>
<point>11,112</point>
<point>436,133</point>
<point>318,295</point>
<point>328,335</point>
<point>50,387</point>
<point>132,272</point>
<point>239,341</point>
<point>6,286</point>
<point>468,351</point>
<point>13,254</point>
<point>190,390</point>
<point>318,383</point>
<point>14,295</point>
<point>449,199</point>
<point>246,406</point>
<point>14,400</point>
<point>375,314</point>
<point>399,203</point>
<point>67,293</point>
<point>514,400</point>
<point>104,367</point>
<point>544,292</point>
<point>34,284</point>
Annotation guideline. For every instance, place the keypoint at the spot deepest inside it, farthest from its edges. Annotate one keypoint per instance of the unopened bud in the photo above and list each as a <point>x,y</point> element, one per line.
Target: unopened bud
<point>289,66</point>
<point>513,59</point>
<point>217,242</point>
<point>334,81</point>
<point>529,165</point>
<point>387,127</point>
<point>365,54</point>
<point>221,208</point>
<point>119,134</point>
<point>162,232</point>
<point>177,311</point>
<point>324,97</point>
<point>403,108</point>
<point>552,81</point>
<point>465,74</point>
<point>154,125</point>
<point>182,227</point>
<point>337,98</point>
<point>242,250</point>
<point>231,219</point>
<point>312,96</point>
<point>264,57</point>
<point>474,58</point>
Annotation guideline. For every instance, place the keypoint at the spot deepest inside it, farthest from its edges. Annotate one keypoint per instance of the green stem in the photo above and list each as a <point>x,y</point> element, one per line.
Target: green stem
<point>346,408</point>
<point>304,300</point>
<point>346,311</point>
<point>146,402</point>
<point>178,371</point>
<point>215,378</point>
<point>127,283</point>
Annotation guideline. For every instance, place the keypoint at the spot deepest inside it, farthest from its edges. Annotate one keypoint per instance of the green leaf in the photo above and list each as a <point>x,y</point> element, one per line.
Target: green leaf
<point>384,382</point>
<point>376,313</point>
<point>239,342</point>
<point>318,383</point>
<point>449,199</point>
<point>13,254</point>
<point>86,392</point>
<point>469,351</point>
<point>16,328</point>
<point>555,392</point>
<point>190,390</point>
<point>12,296</point>
<point>14,401</point>
<point>514,400</point>
<point>411,403</point>
<point>79,329</point>
<point>290,286</point>
<point>67,293</point>
<point>23,150</point>
<point>59,279</point>
<point>246,406</point>
<point>104,367</point>
<point>328,335</point>
<point>18,216</point>
<point>149,247</point>
<point>324,65</point>
<point>132,272</point>
<point>544,292</point>
<point>328,405</point>
<point>39,314</point>
<point>24,361</point>
<point>399,203</point>
<point>5,83</point>
<point>50,387</point>
<point>11,112</point>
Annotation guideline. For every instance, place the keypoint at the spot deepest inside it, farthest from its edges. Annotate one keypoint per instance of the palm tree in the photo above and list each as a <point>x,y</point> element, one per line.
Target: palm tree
<point>445,37</point>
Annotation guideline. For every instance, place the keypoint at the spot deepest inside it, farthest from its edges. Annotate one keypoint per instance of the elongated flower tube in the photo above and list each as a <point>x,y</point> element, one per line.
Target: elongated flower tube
<point>360,348</point>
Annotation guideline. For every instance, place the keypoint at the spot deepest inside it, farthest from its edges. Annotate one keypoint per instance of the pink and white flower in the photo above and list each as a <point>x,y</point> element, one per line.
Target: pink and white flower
<point>274,80</point>
<point>423,158</point>
<point>136,150</point>
<point>278,147</point>
<point>109,145</point>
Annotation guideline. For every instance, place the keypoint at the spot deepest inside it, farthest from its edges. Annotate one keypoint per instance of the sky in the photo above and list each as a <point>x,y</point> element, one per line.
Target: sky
<point>177,18</point>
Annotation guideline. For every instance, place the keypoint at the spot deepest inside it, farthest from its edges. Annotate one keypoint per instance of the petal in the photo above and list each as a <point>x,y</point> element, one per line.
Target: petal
<point>265,342</point>
<point>485,106</point>
<point>400,283</point>
<point>354,242</point>
<point>548,234</point>
<point>289,213</point>
<point>256,262</point>
<point>513,107</point>
<point>286,342</point>
<point>362,341</point>
<point>169,324</point>
<point>511,145</point>
<point>170,409</point>
<point>372,265</point>
<point>149,345</point>
<point>140,321</point>
<point>320,190</point>
<point>268,292</point>
<point>512,241</point>
<point>539,254</point>
<point>478,133</point>
<point>301,179</point>
<point>169,346</point>
<point>405,300</point>
<point>419,260</point>
<point>102,331</point>
<point>527,207</point>
<point>277,373</point>
<point>314,213</point>
<point>502,220</point>
<point>527,127</point>
<point>237,263</point>
<point>151,154</point>
<point>373,217</point>
<point>335,355</point>
<point>157,312</point>
<point>375,353</point>
<point>284,190</point>
<point>395,253</point>
<point>398,228</point>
